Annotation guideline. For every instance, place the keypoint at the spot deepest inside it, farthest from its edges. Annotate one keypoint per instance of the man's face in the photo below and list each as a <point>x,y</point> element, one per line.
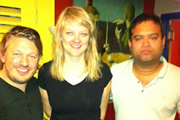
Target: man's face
<point>147,43</point>
<point>20,60</point>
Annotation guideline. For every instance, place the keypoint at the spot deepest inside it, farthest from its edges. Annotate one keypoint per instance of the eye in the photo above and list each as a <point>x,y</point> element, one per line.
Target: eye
<point>33,56</point>
<point>137,38</point>
<point>84,34</point>
<point>69,33</point>
<point>16,54</point>
<point>153,37</point>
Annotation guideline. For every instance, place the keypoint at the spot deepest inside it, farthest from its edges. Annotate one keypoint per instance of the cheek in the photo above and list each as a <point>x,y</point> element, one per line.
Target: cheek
<point>86,41</point>
<point>33,64</point>
<point>133,48</point>
<point>12,60</point>
<point>86,46</point>
<point>16,60</point>
<point>157,45</point>
<point>64,44</point>
<point>66,39</point>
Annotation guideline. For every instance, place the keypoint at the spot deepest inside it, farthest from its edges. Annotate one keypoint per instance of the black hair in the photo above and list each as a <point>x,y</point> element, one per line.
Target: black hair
<point>146,17</point>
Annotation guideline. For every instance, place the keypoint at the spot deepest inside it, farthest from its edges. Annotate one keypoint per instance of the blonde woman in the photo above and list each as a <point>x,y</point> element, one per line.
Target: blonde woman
<point>75,85</point>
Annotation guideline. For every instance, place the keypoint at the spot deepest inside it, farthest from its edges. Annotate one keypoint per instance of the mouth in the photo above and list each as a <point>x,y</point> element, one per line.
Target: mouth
<point>146,52</point>
<point>76,46</point>
<point>22,71</point>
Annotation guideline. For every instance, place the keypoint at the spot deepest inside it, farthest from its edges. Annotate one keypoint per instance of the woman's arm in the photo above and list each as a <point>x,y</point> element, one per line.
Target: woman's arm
<point>46,105</point>
<point>105,100</point>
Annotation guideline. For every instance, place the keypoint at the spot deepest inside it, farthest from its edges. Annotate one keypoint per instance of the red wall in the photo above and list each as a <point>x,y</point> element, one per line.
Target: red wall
<point>175,55</point>
<point>60,5</point>
<point>149,6</point>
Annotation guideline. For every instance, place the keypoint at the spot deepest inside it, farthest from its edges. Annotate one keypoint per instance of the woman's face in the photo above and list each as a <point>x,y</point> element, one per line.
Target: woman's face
<point>75,38</point>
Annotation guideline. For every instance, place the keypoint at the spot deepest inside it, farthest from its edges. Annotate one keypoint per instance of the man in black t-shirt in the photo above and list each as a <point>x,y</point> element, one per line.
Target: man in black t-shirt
<point>20,51</point>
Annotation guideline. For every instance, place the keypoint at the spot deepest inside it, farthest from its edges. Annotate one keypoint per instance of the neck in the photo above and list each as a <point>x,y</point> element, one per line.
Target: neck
<point>74,62</point>
<point>75,66</point>
<point>147,69</point>
<point>146,74</point>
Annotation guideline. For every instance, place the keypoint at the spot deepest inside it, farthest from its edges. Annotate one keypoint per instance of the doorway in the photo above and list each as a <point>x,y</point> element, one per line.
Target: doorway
<point>172,45</point>
<point>174,42</point>
<point>170,20</point>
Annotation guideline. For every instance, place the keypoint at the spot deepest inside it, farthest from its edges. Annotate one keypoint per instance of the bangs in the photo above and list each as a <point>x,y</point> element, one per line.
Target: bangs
<point>75,20</point>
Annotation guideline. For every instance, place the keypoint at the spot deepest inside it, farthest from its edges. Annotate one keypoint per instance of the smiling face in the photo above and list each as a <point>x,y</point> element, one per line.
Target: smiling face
<point>75,39</point>
<point>147,42</point>
<point>20,60</point>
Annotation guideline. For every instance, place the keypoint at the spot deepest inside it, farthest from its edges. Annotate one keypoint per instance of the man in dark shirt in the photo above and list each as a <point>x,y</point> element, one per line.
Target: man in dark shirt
<point>20,51</point>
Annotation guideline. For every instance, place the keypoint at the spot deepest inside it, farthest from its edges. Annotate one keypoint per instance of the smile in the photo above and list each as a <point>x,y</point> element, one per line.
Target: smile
<point>22,70</point>
<point>76,46</point>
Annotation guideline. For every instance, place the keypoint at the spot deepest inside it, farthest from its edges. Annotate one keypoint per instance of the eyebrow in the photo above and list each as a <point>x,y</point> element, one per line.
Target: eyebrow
<point>154,34</point>
<point>147,35</point>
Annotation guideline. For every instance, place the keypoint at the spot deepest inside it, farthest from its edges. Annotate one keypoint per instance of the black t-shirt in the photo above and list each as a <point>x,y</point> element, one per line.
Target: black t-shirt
<point>74,102</point>
<point>17,105</point>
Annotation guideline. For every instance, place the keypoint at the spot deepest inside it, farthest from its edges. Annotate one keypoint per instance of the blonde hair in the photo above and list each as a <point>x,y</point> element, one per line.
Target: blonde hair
<point>78,15</point>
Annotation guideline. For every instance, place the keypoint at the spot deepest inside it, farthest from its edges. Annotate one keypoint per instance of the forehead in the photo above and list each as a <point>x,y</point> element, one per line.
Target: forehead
<point>21,43</point>
<point>76,22</point>
<point>146,26</point>
<point>76,26</point>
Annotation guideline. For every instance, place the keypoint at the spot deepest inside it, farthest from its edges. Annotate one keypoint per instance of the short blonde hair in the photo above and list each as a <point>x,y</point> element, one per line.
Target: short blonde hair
<point>21,32</point>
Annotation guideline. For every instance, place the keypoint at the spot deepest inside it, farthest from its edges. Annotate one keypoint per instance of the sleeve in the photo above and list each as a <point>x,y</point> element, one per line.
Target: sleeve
<point>178,106</point>
<point>106,74</point>
<point>178,102</point>
<point>113,68</point>
<point>43,75</point>
<point>176,76</point>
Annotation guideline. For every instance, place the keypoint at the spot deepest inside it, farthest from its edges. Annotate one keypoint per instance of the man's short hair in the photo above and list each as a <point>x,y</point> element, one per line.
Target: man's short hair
<point>22,32</point>
<point>146,17</point>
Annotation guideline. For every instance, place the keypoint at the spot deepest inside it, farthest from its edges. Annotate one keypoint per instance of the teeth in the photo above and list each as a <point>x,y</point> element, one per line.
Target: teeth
<point>76,46</point>
<point>22,70</point>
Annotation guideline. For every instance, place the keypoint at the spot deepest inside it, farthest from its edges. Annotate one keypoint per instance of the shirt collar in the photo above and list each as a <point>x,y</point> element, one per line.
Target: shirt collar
<point>161,73</point>
<point>164,68</point>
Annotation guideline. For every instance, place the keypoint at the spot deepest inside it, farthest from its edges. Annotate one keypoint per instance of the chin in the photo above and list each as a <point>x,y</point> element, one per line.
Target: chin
<point>22,80</point>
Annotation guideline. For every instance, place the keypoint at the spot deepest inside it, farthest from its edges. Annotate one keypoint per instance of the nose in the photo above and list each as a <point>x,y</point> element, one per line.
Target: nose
<point>146,42</point>
<point>24,60</point>
<point>77,38</point>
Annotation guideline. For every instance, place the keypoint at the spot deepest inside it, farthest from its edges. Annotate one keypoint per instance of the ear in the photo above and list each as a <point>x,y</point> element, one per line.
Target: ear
<point>129,43</point>
<point>164,40</point>
<point>2,57</point>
